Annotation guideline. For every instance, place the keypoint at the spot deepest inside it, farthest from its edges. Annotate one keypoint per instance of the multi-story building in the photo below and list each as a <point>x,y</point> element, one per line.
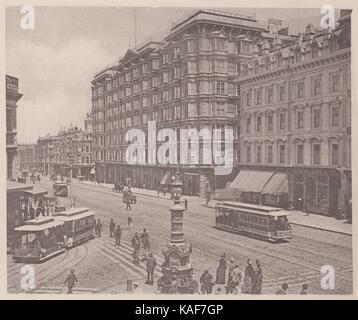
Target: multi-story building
<point>12,97</point>
<point>45,154</point>
<point>26,155</point>
<point>184,81</point>
<point>295,122</point>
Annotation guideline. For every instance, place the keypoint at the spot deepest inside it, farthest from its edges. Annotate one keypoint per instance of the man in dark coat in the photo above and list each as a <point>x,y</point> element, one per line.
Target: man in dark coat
<point>71,280</point>
<point>32,212</point>
<point>249,276</point>
<point>151,264</point>
<point>118,235</point>
<point>112,228</point>
<point>257,279</point>
<point>206,282</point>
<point>38,211</point>
<point>221,270</point>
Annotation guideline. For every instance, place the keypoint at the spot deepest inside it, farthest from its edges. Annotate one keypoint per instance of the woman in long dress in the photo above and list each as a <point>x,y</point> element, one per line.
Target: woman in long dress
<point>221,270</point>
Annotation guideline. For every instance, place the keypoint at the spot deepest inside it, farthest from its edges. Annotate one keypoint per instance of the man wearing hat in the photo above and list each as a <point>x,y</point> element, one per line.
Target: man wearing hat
<point>71,280</point>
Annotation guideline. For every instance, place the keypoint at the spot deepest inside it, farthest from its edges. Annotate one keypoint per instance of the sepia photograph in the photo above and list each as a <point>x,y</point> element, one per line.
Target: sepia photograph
<point>178,150</point>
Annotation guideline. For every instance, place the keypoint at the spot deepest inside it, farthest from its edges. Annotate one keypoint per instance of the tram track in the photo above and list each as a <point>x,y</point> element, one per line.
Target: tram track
<point>205,242</point>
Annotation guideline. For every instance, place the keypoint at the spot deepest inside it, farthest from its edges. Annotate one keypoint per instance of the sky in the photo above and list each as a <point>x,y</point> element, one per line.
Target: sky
<point>56,61</point>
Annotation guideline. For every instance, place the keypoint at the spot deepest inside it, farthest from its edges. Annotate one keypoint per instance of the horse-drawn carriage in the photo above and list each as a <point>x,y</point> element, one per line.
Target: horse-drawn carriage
<point>118,187</point>
<point>129,196</point>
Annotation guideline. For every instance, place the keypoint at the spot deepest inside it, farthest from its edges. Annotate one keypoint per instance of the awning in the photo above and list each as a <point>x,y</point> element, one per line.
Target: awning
<point>93,171</point>
<point>165,178</point>
<point>250,180</point>
<point>278,184</point>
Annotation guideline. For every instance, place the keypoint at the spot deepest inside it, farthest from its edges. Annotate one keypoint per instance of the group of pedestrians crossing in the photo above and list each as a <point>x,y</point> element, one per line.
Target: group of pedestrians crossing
<point>230,276</point>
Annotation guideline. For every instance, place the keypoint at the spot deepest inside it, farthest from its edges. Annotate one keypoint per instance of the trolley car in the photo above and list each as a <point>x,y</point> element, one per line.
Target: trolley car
<point>38,239</point>
<point>78,225</point>
<point>256,220</point>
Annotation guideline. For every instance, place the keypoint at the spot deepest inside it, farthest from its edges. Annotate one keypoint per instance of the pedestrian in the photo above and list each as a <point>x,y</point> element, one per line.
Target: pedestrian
<point>305,208</point>
<point>249,275</point>
<point>231,267</point>
<point>48,210</point>
<point>112,228</point>
<point>99,228</point>
<point>258,277</point>
<point>221,270</point>
<point>32,212</point>
<point>136,247</point>
<point>304,290</point>
<point>282,290</point>
<point>43,211</point>
<point>130,222</point>
<point>206,282</point>
<point>186,203</point>
<point>128,205</point>
<point>151,264</point>
<point>145,244</point>
<point>38,211</point>
<point>26,213</point>
<point>71,280</point>
<point>236,277</point>
<point>118,235</point>
<point>137,288</point>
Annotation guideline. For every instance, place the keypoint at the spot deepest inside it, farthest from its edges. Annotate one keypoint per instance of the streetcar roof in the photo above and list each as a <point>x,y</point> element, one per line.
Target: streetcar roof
<point>255,209</point>
<point>60,183</point>
<point>39,224</point>
<point>73,214</point>
<point>36,192</point>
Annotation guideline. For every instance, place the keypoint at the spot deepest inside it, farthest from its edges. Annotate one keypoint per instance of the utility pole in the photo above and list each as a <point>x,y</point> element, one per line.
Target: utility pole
<point>135,28</point>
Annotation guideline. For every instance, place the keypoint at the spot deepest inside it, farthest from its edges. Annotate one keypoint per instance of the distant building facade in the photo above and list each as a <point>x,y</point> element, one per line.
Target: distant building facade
<point>184,81</point>
<point>12,97</point>
<point>26,155</point>
<point>295,119</point>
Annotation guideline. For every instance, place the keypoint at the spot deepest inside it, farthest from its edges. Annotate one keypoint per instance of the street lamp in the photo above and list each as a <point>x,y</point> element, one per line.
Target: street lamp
<point>176,269</point>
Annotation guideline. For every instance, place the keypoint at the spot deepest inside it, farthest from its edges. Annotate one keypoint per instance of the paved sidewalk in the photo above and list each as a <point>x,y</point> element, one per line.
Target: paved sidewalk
<point>315,221</point>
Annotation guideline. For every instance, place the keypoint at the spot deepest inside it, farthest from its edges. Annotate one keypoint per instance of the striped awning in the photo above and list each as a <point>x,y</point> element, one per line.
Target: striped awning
<point>251,180</point>
<point>277,185</point>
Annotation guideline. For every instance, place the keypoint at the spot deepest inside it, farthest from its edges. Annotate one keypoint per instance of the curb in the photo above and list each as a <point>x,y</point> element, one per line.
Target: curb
<point>304,225</point>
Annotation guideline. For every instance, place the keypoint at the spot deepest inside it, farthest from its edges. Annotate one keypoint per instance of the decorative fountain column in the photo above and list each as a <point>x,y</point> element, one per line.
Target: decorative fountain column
<point>177,270</point>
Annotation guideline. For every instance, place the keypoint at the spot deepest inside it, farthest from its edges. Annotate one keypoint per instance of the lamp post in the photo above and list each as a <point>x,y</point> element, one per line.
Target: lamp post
<point>176,269</point>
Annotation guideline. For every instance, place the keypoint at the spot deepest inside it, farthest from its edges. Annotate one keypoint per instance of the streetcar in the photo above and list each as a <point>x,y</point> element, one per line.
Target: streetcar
<point>38,240</point>
<point>78,225</point>
<point>60,189</point>
<point>255,220</point>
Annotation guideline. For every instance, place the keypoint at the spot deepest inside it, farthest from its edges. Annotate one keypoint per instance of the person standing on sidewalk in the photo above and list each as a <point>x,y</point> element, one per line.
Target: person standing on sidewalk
<point>151,264</point>
<point>112,228</point>
<point>186,203</point>
<point>71,280</point>
<point>118,235</point>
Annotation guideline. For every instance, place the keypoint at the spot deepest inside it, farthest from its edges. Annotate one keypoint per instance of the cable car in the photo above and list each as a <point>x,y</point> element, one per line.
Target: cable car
<point>60,189</point>
<point>38,239</point>
<point>256,220</point>
<point>78,225</point>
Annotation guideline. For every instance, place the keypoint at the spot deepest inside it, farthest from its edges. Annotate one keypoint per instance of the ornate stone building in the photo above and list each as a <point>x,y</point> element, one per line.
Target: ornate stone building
<point>295,122</point>
<point>183,81</point>
<point>12,97</point>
